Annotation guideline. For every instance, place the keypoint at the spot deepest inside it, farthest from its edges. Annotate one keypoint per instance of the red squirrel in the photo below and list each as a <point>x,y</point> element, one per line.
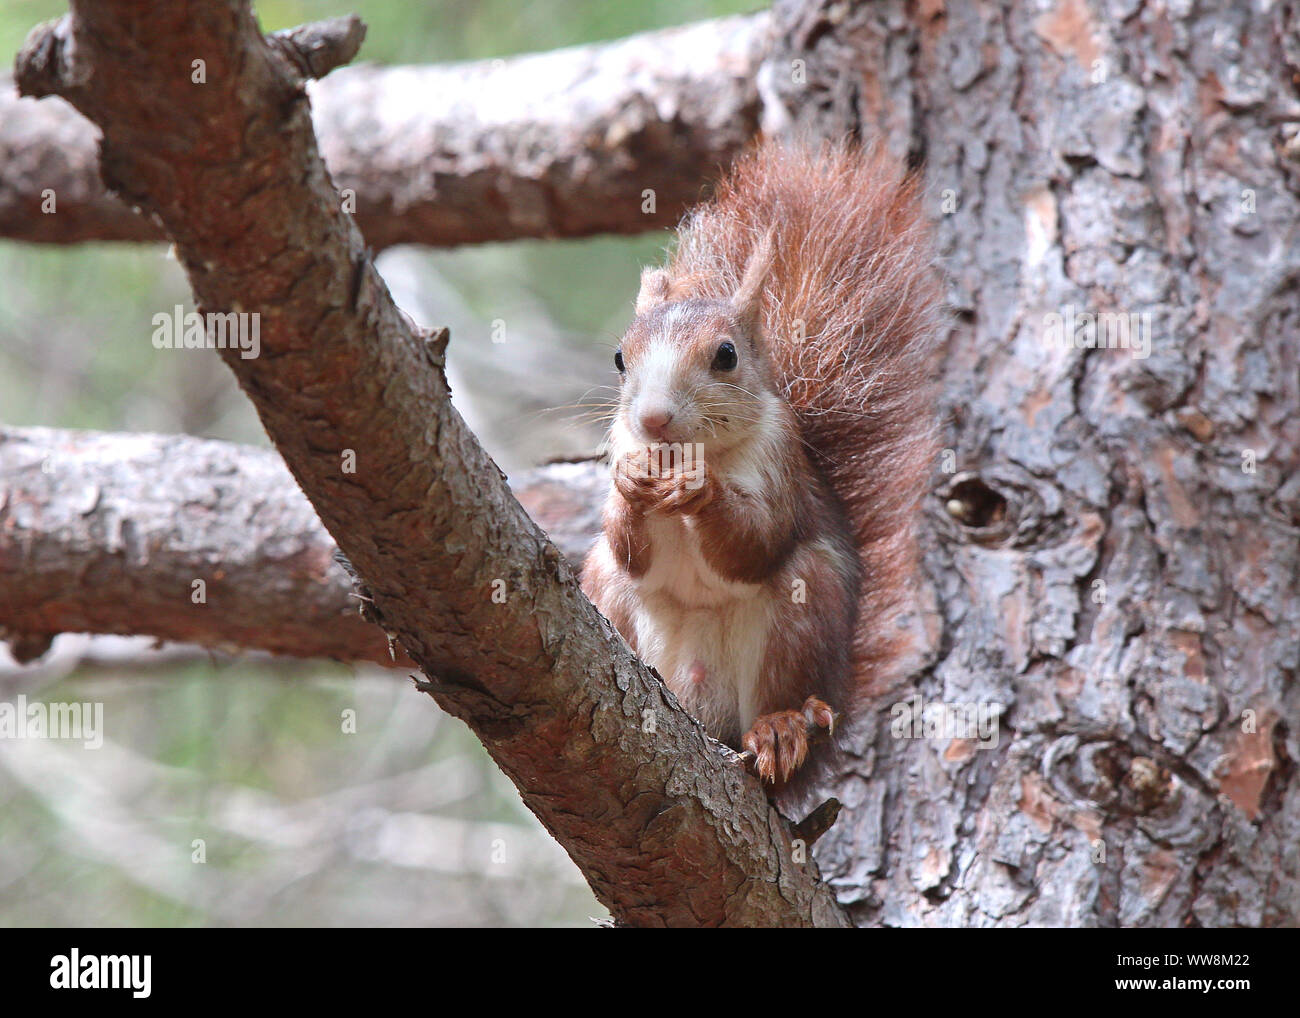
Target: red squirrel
<point>774,434</point>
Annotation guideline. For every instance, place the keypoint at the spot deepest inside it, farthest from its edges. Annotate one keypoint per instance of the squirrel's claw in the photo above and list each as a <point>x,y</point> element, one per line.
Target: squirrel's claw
<point>686,497</point>
<point>819,714</point>
<point>778,743</point>
<point>669,492</point>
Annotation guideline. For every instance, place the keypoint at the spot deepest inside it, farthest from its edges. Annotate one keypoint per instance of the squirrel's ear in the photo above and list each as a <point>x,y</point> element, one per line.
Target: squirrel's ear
<point>748,298</point>
<point>654,289</point>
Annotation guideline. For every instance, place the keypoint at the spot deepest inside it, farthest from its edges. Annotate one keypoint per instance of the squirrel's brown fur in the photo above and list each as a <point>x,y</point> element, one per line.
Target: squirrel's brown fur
<point>791,340</point>
<point>851,317</point>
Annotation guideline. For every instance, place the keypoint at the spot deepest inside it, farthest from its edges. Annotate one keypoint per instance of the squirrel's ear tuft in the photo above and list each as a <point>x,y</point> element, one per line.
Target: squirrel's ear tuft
<point>748,298</point>
<point>654,290</point>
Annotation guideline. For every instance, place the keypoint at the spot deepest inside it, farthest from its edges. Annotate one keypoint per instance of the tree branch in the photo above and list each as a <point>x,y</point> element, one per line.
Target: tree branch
<point>560,144</point>
<point>320,47</point>
<point>103,533</point>
<point>666,829</point>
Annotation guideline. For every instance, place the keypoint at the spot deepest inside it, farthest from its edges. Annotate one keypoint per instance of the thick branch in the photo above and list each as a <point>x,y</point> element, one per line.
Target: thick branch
<point>667,831</point>
<point>560,144</point>
<point>104,533</point>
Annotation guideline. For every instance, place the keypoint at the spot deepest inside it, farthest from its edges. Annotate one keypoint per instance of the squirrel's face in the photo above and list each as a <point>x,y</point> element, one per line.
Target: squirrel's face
<point>691,371</point>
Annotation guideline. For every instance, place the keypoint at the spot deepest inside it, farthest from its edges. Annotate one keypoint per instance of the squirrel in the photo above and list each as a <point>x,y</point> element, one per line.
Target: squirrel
<point>775,431</point>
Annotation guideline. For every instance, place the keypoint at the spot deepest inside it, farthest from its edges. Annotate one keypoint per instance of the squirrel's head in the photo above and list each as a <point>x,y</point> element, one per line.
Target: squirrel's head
<point>695,369</point>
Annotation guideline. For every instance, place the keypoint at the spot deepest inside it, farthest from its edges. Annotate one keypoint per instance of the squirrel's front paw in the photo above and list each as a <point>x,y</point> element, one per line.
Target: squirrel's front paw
<point>685,493</point>
<point>659,485</point>
<point>636,481</point>
<point>779,741</point>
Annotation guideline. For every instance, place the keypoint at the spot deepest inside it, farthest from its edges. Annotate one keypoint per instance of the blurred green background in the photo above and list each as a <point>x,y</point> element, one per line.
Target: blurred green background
<point>405,822</point>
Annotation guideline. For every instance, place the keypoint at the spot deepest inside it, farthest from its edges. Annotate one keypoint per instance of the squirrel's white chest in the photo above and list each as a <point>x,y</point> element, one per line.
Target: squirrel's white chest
<point>679,572</point>
<point>706,635</point>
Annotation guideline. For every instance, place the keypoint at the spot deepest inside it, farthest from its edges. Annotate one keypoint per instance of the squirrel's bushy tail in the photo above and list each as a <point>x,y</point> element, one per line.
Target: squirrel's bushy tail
<point>852,317</point>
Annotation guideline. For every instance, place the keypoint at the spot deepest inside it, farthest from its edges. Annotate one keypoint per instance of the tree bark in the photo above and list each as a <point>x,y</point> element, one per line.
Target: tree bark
<point>1114,553</point>
<point>1113,543</point>
<point>110,533</point>
<point>665,824</point>
<point>561,144</point>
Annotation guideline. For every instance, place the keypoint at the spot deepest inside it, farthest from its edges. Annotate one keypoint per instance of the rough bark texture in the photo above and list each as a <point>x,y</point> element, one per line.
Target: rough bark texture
<point>108,533</point>
<point>667,829</point>
<point>560,144</point>
<point>1104,561</point>
<point>1113,546</point>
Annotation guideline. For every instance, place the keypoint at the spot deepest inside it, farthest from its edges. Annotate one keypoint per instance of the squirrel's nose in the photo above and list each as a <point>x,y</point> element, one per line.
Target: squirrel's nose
<point>653,422</point>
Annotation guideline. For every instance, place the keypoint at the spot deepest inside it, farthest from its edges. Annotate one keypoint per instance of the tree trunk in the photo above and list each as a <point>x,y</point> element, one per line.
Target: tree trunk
<point>1114,537</point>
<point>1113,540</point>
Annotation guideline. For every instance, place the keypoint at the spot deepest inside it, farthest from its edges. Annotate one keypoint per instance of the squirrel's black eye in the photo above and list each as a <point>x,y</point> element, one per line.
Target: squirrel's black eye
<point>725,358</point>
<point>618,360</point>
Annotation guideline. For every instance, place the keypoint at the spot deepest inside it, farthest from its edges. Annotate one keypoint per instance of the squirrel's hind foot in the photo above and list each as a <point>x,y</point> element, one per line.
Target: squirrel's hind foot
<point>778,743</point>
